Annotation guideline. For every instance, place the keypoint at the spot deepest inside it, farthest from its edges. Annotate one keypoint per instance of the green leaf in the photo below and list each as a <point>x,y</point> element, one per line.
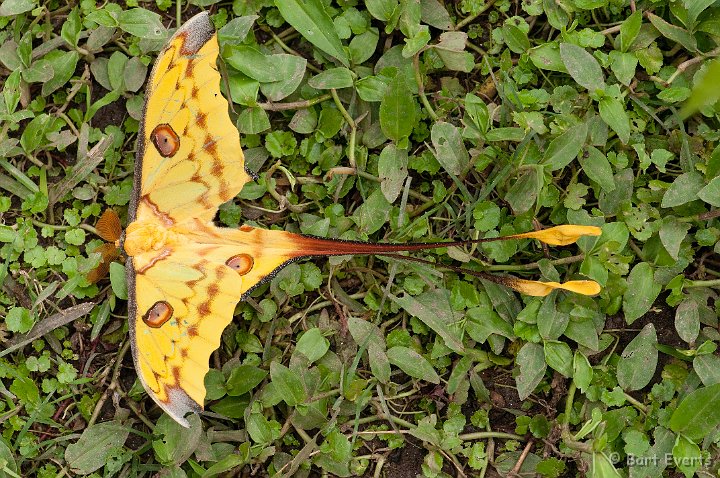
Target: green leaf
<point>312,21</point>
<point>707,368</point>
<point>397,111</point>
<point>612,112</point>
<point>16,7</point>
<point>236,29</point>
<point>95,446</point>
<point>253,63</point>
<point>433,308</point>
<point>243,379</point>
<point>483,322</point>
<point>7,457</point>
<point>313,345</point>
<point>19,319</point>
<point>373,213</point>
<point>563,149</point>
<point>118,280</point>
<point>383,10</point>
<point>698,413</point>
<point>674,33</point>
<point>392,171</point>
<point>531,362</point>
<point>253,121</point>
<point>63,65</point>
<point>582,66</point>
<point>176,443</point>
<point>559,357</point>
<point>638,361</point>
<point>336,78</point>
<point>417,42</point>
<point>288,384</point>
<point>449,148</point>
<point>597,167</point>
<point>582,371</point>
<point>711,193</point>
<point>672,233</point>
<point>687,320</point>
<point>684,189</point>
<point>412,363</point>
<point>291,70</point>
<point>547,56</point>
<point>142,23</point>
<point>641,292</point>
<point>524,192</point>
<point>629,30</point>
<point>623,65</point>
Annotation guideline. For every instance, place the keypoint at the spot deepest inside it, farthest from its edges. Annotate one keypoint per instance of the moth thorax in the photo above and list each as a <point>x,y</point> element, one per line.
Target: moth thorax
<point>142,236</point>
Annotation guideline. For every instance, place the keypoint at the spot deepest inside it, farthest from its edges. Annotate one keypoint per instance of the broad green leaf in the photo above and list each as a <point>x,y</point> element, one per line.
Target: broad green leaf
<point>698,413</point>
<point>313,345</point>
<point>397,111</point>
<point>629,30</point>
<point>547,57</point>
<point>336,78</point>
<point>253,63</point>
<point>288,384</point>
<point>483,322</point>
<point>582,371</point>
<point>236,29</point>
<point>582,66</point>
<point>362,47</point>
<point>711,193</point>
<point>412,363</point>
<point>63,65</point>
<point>708,368</point>
<point>433,308</point>
<point>602,467</point>
<point>243,379</point>
<point>118,280</point>
<point>95,446</point>
<point>176,443</point>
<point>16,7</point>
<point>367,334</point>
<point>310,18</point>
<point>142,23</point>
<point>551,322</point>
<point>597,167</point>
<point>674,33</point>
<point>392,171</point>
<point>559,357</point>
<point>623,65</point>
<point>638,361</point>
<point>291,69</point>
<point>253,121</point>
<point>373,213</point>
<point>563,149</point>
<point>687,320</point>
<point>641,292</point>
<point>435,14</point>
<point>531,362</point>
<point>672,233</point>
<point>613,113</point>
<point>684,189</point>
<point>383,10</point>
<point>524,192</point>
<point>449,148</point>
<point>515,38</point>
